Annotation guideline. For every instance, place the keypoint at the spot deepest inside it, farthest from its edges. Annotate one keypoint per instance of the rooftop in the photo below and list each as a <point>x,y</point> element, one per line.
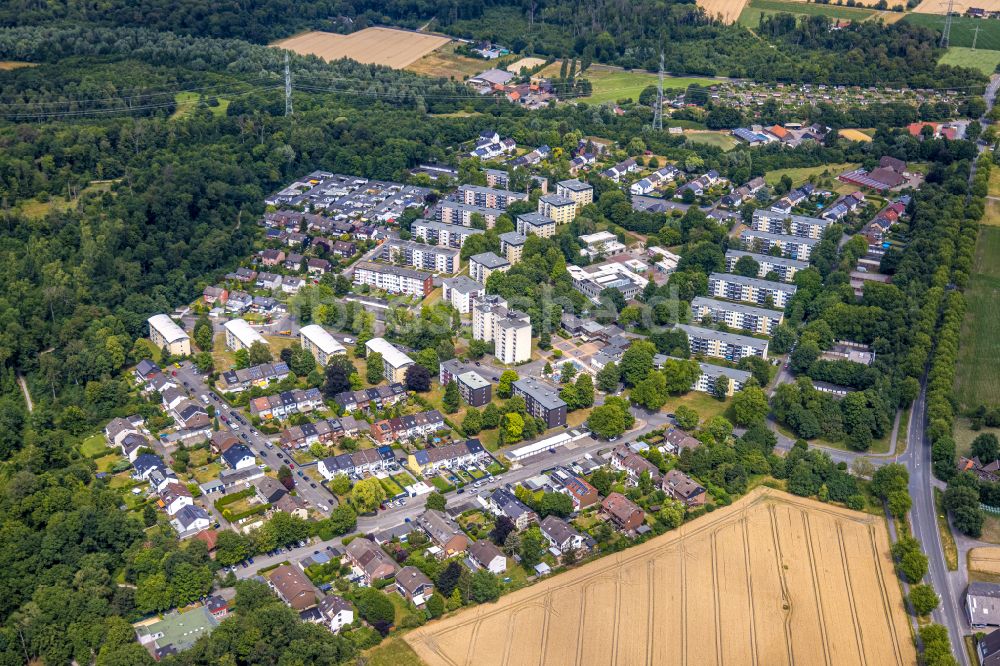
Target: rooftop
<point>320,337</point>
<point>544,394</point>
<point>753,282</point>
<point>728,338</point>
<point>390,354</point>
<point>489,260</point>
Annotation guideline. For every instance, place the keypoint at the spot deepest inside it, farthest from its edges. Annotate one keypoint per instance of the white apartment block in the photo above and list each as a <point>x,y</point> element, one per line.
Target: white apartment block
<point>462,292</point>
<point>317,341</point>
<point>750,290</point>
<point>163,332</point>
<point>793,247</point>
<point>509,330</point>
<point>736,315</point>
<point>441,234</point>
<point>791,225</point>
<point>730,346</point>
<point>240,335</point>
<point>784,267</point>
<point>393,279</point>
<point>420,256</point>
<point>394,362</point>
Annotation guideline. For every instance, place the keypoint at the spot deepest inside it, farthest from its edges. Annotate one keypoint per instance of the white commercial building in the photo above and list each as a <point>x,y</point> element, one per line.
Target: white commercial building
<point>164,332</point>
<point>394,362</point>
<point>240,335</point>
<point>317,340</point>
<point>601,244</point>
<point>508,330</point>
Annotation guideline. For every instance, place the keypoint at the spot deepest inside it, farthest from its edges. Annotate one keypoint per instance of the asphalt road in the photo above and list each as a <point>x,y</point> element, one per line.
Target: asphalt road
<point>317,497</point>
<point>415,506</point>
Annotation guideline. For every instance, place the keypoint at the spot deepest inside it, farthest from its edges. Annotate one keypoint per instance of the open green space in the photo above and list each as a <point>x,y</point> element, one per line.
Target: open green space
<point>441,485</point>
<point>985,60</point>
<point>187,102</point>
<point>979,350</point>
<point>963,29</point>
<point>706,405</point>
<point>802,174</point>
<point>723,140</point>
<point>611,85</point>
<point>93,445</point>
<point>750,17</point>
<point>393,652</point>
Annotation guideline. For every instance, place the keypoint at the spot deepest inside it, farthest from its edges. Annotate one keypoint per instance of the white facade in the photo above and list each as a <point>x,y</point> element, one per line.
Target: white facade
<point>317,340</point>
<point>165,333</point>
<point>462,293</point>
<point>393,279</point>
<point>603,243</point>
<point>509,330</point>
<point>240,335</point>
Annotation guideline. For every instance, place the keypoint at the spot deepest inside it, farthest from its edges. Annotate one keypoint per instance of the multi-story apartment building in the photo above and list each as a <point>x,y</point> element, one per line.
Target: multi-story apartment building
<point>317,341</point>
<point>163,332</point>
<point>460,213</point>
<point>581,193</point>
<point>420,256</point>
<point>481,266</point>
<point>542,400</point>
<point>476,195</point>
<point>509,330</point>
<point>751,290</point>
<point>784,267</point>
<point>462,291</point>
<point>562,210</point>
<point>512,246</point>
<point>474,388</point>
<point>240,335</point>
<point>730,346</point>
<point>537,224</point>
<point>394,279</point>
<point>394,362</point>
<point>501,180</point>
<point>444,235</point>
<point>711,373</point>
<point>793,247</point>
<point>736,315</point>
<point>791,225</point>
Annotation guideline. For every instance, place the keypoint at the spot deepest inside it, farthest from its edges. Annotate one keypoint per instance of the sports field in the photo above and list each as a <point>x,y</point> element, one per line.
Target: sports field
<point>611,85</point>
<point>750,17</point>
<point>984,60</point>
<point>979,348</point>
<point>771,579</point>
<point>727,10</point>
<point>962,28</point>
<point>720,139</point>
<point>377,46</point>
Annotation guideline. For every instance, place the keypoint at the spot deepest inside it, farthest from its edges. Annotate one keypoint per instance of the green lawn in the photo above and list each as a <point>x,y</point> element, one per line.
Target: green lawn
<point>984,60</point>
<point>611,85</point>
<point>962,29</point>
<point>802,174</point>
<point>393,652</point>
<point>442,485</point>
<point>979,348</point>
<point>391,487</point>
<point>750,17</point>
<point>704,404</point>
<point>93,445</point>
<point>723,140</point>
<point>187,102</point>
<point>106,463</point>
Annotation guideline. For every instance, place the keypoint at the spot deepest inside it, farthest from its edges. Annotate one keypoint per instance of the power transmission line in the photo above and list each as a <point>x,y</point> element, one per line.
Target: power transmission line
<point>288,87</point>
<point>946,35</point>
<point>658,111</point>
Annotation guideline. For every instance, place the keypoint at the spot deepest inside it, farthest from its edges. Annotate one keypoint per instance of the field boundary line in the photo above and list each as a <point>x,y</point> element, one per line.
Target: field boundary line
<point>817,589</point>
<point>718,604</point>
<point>779,561</point>
<point>749,580</point>
<point>547,606</point>
<point>884,592</point>
<point>858,629</point>
<point>651,614</point>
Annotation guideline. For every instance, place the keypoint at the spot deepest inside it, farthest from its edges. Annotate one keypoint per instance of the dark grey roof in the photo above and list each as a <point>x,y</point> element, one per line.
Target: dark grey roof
<point>490,260</point>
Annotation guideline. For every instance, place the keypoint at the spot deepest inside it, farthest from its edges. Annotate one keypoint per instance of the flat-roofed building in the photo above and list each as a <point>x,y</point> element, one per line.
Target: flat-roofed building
<point>444,235</point>
<point>460,213</point>
<point>481,266</point>
<point>474,388</point>
<point>477,195</point>
<point>426,257</point>
<point>581,193</point>
<point>792,225</point>
<point>710,375</point>
<point>785,268</point>
<point>512,246</point>
<point>730,346</point>
<point>750,290</point>
<point>509,330</point>
<point>394,362</point>
<point>592,280</point>
<point>462,291</point>
<point>601,244</point>
<point>793,247</point>
<point>317,341</point>
<point>164,332</point>
<point>240,335</point>
<point>394,279</point>
<point>562,210</point>
<point>537,224</point>
<point>736,315</point>
<point>542,401</point>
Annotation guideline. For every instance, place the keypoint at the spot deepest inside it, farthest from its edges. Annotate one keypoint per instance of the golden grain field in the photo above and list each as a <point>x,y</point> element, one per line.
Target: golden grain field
<point>985,560</point>
<point>772,579</point>
<point>940,7</point>
<point>377,46</point>
<point>524,63</point>
<point>729,10</point>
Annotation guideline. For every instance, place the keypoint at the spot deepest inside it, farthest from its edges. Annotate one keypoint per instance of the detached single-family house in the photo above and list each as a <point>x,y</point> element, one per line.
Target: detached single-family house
<point>292,587</point>
<point>190,520</point>
<point>337,612</point>
<point>239,457</point>
<point>414,585</point>
<point>683,488</point>
<point>443,531</point>
<point>485,555</point>
<point>982,603</point>
<point>502,502</point>
<point>370,561</point>
<point>623,512</point>
<point>175,497</point>
<point>562,535</point>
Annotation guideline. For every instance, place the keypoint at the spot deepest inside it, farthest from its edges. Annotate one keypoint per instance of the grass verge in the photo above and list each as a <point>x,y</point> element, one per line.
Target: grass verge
<point>947,538</point>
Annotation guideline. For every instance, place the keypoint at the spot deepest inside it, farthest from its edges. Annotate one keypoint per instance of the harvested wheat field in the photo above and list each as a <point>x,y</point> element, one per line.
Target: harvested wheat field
<point>772,579</point>
<point>524,63</point>
<point>377,46</point>
<point>854,135</point>
<point>985,560</point>
<point>939,7</point>
<point>728,10</point>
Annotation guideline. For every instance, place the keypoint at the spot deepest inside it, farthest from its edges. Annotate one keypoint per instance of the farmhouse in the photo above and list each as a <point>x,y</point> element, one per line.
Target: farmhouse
<point>165,334</point>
